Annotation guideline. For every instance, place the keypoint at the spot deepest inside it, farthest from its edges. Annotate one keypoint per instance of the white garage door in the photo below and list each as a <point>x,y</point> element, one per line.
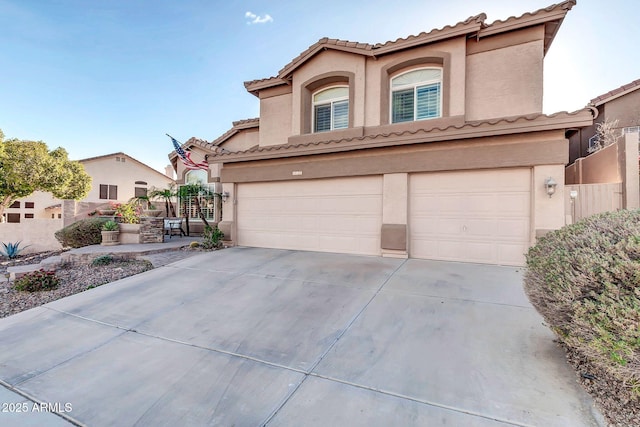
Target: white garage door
<point>341,215</point>
<point>478,216</point>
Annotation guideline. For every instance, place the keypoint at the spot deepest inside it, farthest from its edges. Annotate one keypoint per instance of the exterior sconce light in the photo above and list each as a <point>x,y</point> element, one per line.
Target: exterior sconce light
<point>225,196</point>
<point>550,186</point>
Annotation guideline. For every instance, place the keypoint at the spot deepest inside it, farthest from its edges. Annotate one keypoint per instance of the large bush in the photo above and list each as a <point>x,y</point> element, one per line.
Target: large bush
<point>584,279</point>
<point>81,233</point>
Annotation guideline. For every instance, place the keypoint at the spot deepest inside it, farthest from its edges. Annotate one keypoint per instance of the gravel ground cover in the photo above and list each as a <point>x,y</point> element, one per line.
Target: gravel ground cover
<point>73,279</point>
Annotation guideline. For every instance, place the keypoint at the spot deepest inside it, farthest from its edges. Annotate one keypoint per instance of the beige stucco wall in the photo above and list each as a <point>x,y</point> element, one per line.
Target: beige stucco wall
<point>108,171</point>
<point>625,109</point>
<point>38,234</point>
<point>597,168</point>
<point>497,76</point>
<point>548,212</point>
<point>275,119</point>
<point>505,82</point>
<point>243,140</point>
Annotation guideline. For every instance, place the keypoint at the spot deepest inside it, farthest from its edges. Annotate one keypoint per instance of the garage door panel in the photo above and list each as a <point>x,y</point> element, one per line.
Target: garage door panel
<point>333,215</point>
<point>476,216</point>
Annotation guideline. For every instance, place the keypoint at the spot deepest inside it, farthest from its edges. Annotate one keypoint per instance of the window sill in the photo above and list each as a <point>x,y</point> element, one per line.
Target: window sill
<point>327,136</point>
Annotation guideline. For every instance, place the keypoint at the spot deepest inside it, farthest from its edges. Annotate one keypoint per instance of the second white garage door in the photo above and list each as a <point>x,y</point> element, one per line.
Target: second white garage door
<point>341,215</point>
<point>478,216</point>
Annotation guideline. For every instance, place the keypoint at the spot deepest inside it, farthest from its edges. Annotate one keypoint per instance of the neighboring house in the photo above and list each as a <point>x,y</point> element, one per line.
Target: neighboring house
<point>431,146</point>
<point>116,178</point>
<point>622,104</point>
<point>119,177</point>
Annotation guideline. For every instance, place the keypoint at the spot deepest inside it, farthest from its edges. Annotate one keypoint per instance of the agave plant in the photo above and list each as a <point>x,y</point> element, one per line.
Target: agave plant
<point>12,250</point>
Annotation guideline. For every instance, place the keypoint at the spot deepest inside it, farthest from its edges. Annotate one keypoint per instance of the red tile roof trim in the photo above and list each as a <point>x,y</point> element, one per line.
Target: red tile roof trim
<point>468,130</point>
<point>622,90</point>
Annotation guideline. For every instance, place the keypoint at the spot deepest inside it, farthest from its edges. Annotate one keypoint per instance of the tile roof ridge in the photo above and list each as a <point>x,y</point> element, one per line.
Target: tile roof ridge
<point>566,5</point>
<point>478,19</point>
<point>617,91</point>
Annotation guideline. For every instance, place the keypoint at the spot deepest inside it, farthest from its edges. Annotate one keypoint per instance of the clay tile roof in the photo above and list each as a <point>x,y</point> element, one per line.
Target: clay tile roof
<point>615,93</point>
<point>551,16</point>
<point>211,146</point>
<point>480,128</point>
<point>247,123</point>
<point>436,34</point>
<point>322,44</point>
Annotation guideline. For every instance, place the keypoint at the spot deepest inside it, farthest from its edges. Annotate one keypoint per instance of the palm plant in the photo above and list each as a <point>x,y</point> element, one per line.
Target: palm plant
<point>194,192</point>
<point>166,195</point>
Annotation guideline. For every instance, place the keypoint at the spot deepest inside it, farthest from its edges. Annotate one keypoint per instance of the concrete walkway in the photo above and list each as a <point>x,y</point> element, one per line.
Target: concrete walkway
<point>252,337</point>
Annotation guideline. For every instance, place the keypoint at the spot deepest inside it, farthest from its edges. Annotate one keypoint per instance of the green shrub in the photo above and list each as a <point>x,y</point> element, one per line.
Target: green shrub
<point>102,260</point>
<point>37,281</point>
<point>584,279</point>
<point>110,226</point>
<point>81,233</point>
<point>212,237</point>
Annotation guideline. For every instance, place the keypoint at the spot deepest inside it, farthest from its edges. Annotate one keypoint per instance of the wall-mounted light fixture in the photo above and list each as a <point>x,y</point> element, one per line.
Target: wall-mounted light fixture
<point>225,196</point>
<point>550,186</point>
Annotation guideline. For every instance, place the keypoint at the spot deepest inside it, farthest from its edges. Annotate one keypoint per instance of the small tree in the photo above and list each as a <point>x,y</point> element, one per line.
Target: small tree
<point>29,166</point>
<point>194,192</point>
<point>607,134</point>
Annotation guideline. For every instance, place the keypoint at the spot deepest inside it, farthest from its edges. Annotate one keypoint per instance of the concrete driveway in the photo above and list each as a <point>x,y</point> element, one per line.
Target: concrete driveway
<point>249,337</point>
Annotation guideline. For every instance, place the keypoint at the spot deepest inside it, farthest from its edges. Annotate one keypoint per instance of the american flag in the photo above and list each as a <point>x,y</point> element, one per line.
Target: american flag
<point>185,156</point>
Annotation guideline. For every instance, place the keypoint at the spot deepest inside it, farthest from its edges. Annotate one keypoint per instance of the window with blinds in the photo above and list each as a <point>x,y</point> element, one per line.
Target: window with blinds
<point>331,109</point>
<point>416,95</point>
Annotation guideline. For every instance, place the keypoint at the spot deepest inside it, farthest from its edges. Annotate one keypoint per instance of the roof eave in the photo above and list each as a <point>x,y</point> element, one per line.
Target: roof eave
<point>505,126</point>
<point>552,17</point>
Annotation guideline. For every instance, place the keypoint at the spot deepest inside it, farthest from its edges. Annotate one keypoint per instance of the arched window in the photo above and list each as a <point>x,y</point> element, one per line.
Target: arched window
<point>331,109</point>
<point>197,176</point>
<point>416,95</point>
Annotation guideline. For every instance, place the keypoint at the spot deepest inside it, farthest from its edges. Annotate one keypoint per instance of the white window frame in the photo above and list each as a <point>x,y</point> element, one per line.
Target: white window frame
<point>593,144</point>
<point>332,102</point>
<point>210,205</point>
<point>415,86</point>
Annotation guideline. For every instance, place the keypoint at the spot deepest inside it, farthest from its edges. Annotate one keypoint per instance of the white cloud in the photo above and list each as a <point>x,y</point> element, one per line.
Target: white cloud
<point>257,19</point>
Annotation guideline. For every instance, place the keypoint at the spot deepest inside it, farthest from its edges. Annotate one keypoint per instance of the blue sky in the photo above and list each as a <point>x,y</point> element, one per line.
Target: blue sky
<point>102,76</point>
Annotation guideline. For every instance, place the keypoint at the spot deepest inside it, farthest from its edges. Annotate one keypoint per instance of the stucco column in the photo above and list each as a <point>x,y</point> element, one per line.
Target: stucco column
<point>227,225</point>
<point>394,233</point>
<point>548,212</point>
<point>629,166</point>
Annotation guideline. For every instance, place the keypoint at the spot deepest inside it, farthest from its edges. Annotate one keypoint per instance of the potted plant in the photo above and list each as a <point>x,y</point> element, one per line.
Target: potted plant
<point>110,232</point>
<point>145,205</point>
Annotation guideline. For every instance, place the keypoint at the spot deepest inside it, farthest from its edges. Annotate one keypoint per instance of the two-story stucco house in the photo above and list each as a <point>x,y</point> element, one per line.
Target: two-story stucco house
<point>431,146</point>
